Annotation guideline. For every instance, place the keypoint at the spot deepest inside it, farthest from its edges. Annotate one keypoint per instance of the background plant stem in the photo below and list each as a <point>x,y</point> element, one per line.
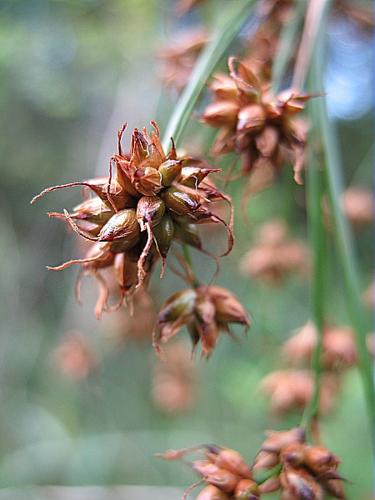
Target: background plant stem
<point>342,236</point>
<point>206,64</point>
<point>286,44</point>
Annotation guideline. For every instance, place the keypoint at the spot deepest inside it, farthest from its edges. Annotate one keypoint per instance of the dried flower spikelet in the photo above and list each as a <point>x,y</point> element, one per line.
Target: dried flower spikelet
<point>73,357</point>
<point>277,440</point>
<point>246,489</point>
<point>132,217</point>
<point>320,460</point>
<point>269,455</point>
<point>298,484</point>
<point>205,311</point>
<point>339,349</point>
<point>254,123</point>
<point>299,348</point>
<point>292,390</point>
<point>173,384</point>
<point>179,56</point>
<point>275,256</point>
<point>233,461</point>
<point>358,205</point>
<point>211,492</point>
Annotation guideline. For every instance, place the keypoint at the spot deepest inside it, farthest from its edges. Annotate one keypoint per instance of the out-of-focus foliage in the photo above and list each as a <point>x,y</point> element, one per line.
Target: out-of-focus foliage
<point>72,72</point>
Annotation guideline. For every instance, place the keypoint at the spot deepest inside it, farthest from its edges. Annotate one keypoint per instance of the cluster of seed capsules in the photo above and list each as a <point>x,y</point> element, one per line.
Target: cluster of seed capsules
<point>284,463</point>
<point>135,214</point>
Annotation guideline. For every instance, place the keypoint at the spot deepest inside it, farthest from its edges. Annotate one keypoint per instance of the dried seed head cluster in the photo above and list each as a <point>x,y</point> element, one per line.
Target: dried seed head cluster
<point>298,470</point>
<point>276,255</point>
<point>179,57</point>
<point>338,351</point>
<point>205,311</point>
<point>152,199</point>
<point>293,388</point>
<point>305,471</point>
<point>224,472</point>
<point>174,382</point>
<point>260,127</point>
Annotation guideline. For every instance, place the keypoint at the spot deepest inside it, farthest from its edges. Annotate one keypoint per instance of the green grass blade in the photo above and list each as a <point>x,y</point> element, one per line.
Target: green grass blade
<point>206,64</point>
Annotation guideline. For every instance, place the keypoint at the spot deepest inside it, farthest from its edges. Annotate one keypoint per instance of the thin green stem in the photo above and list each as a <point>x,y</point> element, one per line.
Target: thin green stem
<point>316,226</point>
<point>319,268</point>
<point>287,42</point>
<point>334,182</point>
<point>315,18</point>
<point>346,254</point>
<point>206,64</point>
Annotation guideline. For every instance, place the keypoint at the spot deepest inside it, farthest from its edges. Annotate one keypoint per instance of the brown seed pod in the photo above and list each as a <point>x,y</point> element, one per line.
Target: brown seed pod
<point>234,462</point>
<point>123,226</point>
<point>169,171</point>
<point>150,209</point>
<point>180,202</point>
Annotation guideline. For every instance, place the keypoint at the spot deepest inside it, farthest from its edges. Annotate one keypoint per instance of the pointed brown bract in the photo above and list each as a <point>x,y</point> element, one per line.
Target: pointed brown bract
<point>205,311</point>
<point>150,199</point>
<point>255,124</point>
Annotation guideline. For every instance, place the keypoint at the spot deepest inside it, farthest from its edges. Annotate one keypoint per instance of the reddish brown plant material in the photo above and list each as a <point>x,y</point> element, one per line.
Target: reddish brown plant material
<point>179,57</point>
<point>73,357</point>
<point>132,217</point>
<point>291,390</point>
<point>205,311</point>
<point>260,127</point>
<point>276,255</point>
<point>174,382</point>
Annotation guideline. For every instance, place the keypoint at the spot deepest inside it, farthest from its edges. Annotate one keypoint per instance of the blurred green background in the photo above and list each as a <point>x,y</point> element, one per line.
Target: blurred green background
<point>72,71</point>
